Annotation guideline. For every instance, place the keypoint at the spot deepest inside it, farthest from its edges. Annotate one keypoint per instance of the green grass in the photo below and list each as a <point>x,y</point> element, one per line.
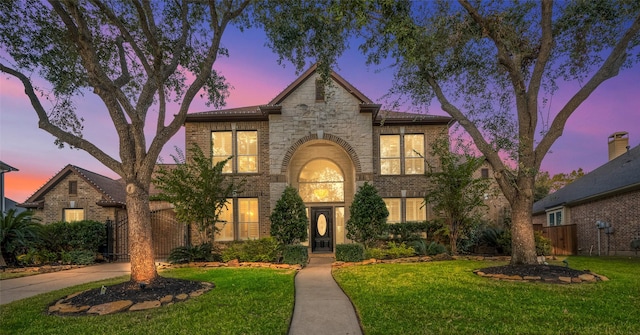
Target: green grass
<point>245,301</point>
<point>447,298</point>
<point>10,275</point>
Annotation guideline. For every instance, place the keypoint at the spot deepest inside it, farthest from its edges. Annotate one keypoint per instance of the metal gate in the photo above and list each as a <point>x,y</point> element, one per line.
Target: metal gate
<point>167,234</point>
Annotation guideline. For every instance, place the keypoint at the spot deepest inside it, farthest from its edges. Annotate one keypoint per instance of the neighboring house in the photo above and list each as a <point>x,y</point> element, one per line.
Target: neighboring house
<point>75,194</point>
<point>326,141</point>
<point>4,168</point>
<point>498,209</point>
<point>603,205</point>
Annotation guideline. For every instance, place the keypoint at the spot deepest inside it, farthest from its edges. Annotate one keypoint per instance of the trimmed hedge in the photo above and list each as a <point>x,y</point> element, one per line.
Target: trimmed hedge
<point>353,252</point>
<point>265,249</point>
<point>295,254</point>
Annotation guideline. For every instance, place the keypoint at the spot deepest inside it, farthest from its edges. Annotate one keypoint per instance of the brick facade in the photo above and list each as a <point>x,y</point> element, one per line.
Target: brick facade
<point>621,210</point>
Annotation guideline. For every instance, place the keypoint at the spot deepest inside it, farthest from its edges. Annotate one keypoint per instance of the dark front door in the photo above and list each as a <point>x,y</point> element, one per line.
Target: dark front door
<point>321,229</point>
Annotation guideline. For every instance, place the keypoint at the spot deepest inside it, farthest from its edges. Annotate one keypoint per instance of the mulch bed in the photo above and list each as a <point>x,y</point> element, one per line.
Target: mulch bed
<point>543,271</point>
<point>159,288</point>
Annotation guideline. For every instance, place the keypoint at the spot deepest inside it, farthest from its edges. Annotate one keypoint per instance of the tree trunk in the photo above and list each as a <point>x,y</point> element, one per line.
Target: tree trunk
<point>140,240</point>
<point>523,246</point>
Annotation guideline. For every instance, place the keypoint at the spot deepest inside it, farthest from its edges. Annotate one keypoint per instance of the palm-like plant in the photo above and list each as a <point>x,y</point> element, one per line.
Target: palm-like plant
<point>17,232</point>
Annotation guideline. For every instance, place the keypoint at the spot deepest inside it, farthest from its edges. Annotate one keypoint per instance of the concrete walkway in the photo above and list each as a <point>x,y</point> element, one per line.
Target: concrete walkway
<point>24,287</point>
<point>320,305</point>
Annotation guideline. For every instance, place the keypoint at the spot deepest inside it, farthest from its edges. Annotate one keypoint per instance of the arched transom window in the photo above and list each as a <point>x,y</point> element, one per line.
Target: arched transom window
<point>321,180</point>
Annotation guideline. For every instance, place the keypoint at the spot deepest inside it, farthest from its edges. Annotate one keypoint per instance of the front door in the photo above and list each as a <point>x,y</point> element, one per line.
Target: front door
<point>321,229</point>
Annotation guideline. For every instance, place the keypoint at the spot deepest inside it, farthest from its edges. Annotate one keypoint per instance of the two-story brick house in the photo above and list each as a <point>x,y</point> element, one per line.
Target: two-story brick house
<point>326,140</point>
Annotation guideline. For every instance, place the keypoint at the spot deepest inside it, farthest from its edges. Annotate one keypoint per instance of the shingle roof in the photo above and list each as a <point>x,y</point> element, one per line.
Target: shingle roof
<point>113,193</point>
<point>619,175</point>
<point>261,112</point>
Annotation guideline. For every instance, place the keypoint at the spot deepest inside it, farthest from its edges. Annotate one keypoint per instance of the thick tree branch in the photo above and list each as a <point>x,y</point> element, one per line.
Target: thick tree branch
<point>609,69</point>
<point>45,123</point>
<point>503,176</point>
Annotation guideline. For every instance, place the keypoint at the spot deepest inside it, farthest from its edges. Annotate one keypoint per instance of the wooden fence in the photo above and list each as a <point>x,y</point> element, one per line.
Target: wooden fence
<point>563,238</point>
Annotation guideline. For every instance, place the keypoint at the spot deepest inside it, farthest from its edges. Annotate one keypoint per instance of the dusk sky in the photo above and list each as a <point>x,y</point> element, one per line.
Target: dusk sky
<point>253,72</point>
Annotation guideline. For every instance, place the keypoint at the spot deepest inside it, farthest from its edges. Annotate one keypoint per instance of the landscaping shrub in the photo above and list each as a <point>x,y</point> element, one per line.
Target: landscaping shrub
<point>265,249</point>
<point>368,219</point>
<point>352,252</point>
<point>503,238</point>
<point>289,219</point>
<point>425,248</point>
<point>196,253</point>
<point>408,231</point>
<point>399,250</point>
<point>79,235</point>
<point>377,253</point>
<point>295,254</point>
<point>19,232</point>
<point>82,257</point>
<point>543,244</point>
<point>36,256</point>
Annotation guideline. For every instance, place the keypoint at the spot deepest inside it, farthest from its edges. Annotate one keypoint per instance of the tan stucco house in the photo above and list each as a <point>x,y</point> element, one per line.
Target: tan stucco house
<point>603,205</point>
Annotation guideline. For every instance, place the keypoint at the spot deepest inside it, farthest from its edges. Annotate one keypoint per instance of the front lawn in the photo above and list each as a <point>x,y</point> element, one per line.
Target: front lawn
<point>447,298</point>
<point>245,301</point>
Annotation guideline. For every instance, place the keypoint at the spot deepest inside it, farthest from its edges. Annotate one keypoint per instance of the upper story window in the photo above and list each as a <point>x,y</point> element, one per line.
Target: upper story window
<point>319,90</point>
<point>402,154</point>
<point>73,187</point>
<point>242,145</point>
<point>555,217</point>
<point>321,180</point>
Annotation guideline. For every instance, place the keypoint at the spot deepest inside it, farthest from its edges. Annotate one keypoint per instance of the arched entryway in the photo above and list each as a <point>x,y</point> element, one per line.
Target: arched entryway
<point>324,174</point>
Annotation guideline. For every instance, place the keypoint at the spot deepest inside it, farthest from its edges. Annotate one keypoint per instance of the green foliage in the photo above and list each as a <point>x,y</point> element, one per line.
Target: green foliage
<point>18,233</point>
<point>289,218</point>
<point>350,252</point>
<point>36,256</point>
<point>377,253</point>
<point>265,249</point>
<point>453,190</point>
<point>193,253</point>
<point>82,257</point>
<point>399,250</point>
<point>368,216</point>
<point>543,244</point>
<point>295,254</point>
<point>545,184</point>
<point>425,248</point>
<point>198,190</point>
<point>408,231</point>
<point>78,235</point>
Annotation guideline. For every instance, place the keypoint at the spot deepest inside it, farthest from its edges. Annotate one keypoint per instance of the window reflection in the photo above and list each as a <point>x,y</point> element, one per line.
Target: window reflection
<point>321,181</point>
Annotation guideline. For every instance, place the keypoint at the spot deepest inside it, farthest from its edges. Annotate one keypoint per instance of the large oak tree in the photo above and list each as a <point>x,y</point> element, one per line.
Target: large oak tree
<point>493,66</point>
<point>137,57</point>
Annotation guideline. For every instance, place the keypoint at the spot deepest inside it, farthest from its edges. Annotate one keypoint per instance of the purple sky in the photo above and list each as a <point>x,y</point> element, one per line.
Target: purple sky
<point>256,78</point>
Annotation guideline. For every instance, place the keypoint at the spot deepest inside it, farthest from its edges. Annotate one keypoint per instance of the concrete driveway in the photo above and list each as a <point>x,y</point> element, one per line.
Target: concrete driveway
<point>24,287</point>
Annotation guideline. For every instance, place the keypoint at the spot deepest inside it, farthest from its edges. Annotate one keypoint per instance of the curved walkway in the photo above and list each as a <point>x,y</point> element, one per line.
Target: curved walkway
<point>320,305</point>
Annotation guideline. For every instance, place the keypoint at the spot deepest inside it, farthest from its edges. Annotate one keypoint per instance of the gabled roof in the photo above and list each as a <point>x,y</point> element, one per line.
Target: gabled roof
<point>336,77</point>
<point>112,191</point>
<point>619,175</point>
<point>261,112</point>
<point>4,167</point>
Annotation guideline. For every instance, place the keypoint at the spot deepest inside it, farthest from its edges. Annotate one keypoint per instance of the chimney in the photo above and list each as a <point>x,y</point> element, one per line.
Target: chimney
<point>618,143</point>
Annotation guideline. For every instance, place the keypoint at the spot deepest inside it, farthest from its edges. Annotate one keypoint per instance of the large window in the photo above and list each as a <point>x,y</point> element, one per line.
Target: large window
<point>73,214</point>
<point>395,210</point>
<point>402,154</point>
<point>242,145</point>
<point>321,180</point>
<point>240,220</point>
<point>415,211</point>
<point>405,210</point>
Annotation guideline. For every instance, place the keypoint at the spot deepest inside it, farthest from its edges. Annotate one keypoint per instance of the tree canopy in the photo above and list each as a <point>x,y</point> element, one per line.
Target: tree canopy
<point>493,66</point>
